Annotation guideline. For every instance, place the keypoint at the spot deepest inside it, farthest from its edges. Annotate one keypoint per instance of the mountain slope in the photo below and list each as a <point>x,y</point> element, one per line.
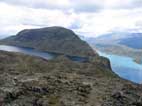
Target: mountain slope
<point>29,81</point>
<point>51,39</point>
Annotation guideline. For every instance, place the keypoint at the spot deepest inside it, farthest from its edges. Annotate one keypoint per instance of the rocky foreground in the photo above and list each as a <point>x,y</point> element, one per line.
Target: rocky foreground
<point>32,81</point>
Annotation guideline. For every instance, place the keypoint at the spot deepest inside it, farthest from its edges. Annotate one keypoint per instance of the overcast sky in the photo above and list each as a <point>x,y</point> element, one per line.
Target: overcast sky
<point>85,17</point>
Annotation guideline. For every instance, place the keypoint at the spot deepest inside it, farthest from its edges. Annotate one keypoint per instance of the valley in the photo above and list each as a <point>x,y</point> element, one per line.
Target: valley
<point>70,53</point>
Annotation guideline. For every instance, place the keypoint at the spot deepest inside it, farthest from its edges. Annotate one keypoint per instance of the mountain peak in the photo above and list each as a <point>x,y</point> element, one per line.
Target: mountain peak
<point>52,39</point>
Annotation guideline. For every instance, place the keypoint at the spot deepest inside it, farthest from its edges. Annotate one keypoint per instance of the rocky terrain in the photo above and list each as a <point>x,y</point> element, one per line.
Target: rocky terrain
<point>33,81</point>
<point>51,39</point>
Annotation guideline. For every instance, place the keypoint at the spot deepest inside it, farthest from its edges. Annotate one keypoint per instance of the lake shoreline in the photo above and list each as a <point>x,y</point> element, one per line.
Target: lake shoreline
<point>125,67</point>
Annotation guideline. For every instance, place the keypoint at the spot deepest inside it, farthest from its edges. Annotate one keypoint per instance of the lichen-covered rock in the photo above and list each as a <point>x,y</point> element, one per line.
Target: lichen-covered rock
<point>32,81</point>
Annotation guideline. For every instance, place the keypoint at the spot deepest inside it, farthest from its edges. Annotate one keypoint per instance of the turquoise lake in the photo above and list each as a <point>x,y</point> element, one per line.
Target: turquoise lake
<point>125,67</point>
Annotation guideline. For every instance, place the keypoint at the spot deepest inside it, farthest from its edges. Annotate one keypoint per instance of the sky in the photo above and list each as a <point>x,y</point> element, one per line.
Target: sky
<point>86,17</point>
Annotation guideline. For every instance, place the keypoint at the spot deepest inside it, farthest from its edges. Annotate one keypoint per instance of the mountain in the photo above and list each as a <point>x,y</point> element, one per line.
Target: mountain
<point>32,81</point>
<point>132,40</point>
<point>51,39</point>
<point>124,43</point>
<point>108,38</point>
<point>135,41</point>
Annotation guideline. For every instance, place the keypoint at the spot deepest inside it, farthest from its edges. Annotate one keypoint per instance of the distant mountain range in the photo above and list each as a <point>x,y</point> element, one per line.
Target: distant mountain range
<point>132,40</point>
<point>121,43</point>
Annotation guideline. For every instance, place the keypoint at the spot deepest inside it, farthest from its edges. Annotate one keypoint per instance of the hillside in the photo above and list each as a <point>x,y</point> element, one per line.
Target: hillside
<point>32,81</point>
<point>51,39</point>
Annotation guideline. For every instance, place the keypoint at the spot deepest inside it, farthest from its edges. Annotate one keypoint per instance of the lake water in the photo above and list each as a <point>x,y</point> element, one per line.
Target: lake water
<point>45,55</point>
<point>29,51</point>
<point>125,67</point>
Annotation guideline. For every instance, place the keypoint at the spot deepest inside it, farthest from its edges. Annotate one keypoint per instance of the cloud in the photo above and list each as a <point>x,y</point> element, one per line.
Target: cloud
<point>16,18</point>
<point>49,4</point>
<point>86,17</point>
<point>110,20</point>
<point>77,5</point>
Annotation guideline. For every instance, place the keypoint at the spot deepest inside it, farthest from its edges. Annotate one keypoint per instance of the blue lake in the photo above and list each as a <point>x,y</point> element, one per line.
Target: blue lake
<point>29,51</point>
<point>45,55</point>
<point>125,67</point>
